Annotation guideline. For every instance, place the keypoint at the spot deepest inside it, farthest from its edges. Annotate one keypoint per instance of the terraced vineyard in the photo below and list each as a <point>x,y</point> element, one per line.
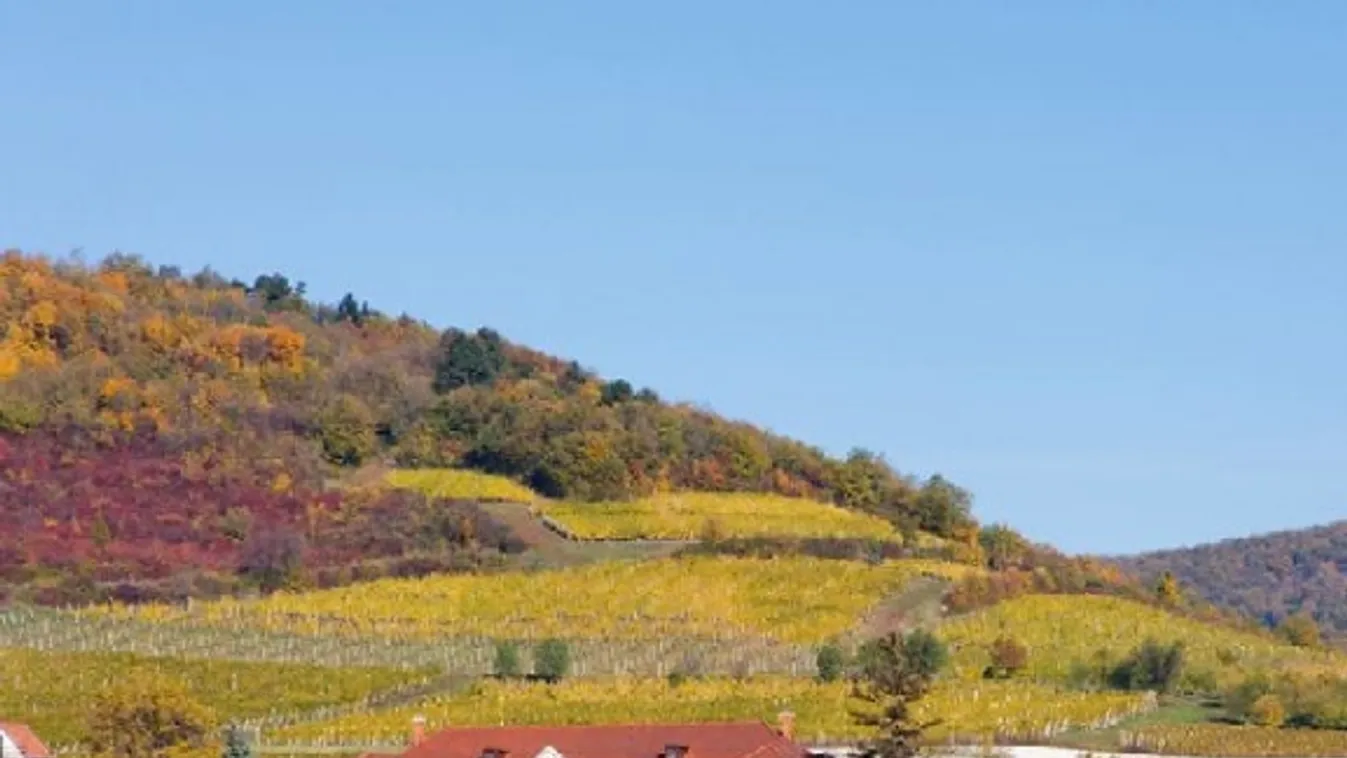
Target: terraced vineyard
<point>51,691</point>
<point>1227,741</point>
<point>1014,711</point>
<point>788,600</point>
<point>666,516</point>
<point>691,515</point>
<point>461,484</point>
<point>47,629</point>
<point>1062,630</point>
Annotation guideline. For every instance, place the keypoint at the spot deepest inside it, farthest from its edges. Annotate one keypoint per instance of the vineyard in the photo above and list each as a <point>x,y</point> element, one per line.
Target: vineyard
<point>461,484</point>
<point>692,515</point>
<point>1061,631</point>
<point>1230,741</point>
<point>46,629</point>
<point>1019,711</point>
<point>51,690</point>
<point>790,600</point>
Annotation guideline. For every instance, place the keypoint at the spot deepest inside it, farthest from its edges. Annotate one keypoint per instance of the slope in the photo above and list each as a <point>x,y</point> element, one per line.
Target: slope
<point>1269,577</point>
<point>203,383</point>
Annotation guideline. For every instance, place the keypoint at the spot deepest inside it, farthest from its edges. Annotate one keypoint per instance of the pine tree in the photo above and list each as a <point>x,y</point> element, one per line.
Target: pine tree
<point>896,673</point>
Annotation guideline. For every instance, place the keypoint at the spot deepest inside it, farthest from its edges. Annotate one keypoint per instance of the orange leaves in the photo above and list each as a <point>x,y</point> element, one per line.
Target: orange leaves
<point>242,347</point>
<point>285,347</point>
<point>159,332</point>
<point>115,281</point>
<point>119,402</point>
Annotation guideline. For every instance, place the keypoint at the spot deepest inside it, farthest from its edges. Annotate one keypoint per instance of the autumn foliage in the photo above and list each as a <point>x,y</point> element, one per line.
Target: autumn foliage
<point>152,419</point>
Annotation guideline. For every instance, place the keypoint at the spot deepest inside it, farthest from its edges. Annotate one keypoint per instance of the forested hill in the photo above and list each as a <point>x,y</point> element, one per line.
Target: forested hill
<point>1270,576</point>
<point>125,374</point>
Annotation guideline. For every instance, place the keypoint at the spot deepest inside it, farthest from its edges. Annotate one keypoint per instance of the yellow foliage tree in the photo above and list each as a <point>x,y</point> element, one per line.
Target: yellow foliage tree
<point>148,715</point>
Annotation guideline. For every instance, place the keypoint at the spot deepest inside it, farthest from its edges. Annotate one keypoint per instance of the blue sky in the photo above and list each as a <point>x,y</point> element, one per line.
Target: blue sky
<point>1086,259</point>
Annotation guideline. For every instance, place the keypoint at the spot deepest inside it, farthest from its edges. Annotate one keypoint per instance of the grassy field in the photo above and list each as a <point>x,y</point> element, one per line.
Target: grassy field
<point>51,691</point>
<point>691,515</point>
<point>1063,630</point>
<point>1019,710</point>
<point>797,600</point>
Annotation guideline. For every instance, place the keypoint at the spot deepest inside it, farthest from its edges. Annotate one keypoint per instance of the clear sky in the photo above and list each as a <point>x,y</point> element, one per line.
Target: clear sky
<point>1088,259</point>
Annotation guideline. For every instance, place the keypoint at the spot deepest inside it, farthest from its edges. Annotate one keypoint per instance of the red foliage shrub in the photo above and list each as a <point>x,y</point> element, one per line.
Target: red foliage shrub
<point>121,517</point>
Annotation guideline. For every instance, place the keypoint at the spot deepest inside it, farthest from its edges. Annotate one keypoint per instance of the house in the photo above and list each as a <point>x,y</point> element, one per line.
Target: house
<point>751,739</point>
<point>18,741</point>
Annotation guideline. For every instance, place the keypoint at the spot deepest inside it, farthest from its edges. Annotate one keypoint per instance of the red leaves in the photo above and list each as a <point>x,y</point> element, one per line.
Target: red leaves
<point>132,512</point>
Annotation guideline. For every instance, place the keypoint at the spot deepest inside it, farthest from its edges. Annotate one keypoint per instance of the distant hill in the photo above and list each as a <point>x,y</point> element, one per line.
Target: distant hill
<point>1269,576</point>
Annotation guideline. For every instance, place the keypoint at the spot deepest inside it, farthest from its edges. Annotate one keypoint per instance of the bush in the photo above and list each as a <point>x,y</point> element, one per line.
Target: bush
<point>1267,710</point>
<point>1300,630</point>
<point>830,662</point>
<point>927,650</point>
<point>1008,657</point>
<point>1151,666</point>
<point>506,665</point>
<point>552,660</point>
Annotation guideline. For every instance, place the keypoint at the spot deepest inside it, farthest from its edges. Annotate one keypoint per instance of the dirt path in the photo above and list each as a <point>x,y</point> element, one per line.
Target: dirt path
<point>548,549</point>
<point>917,605</point>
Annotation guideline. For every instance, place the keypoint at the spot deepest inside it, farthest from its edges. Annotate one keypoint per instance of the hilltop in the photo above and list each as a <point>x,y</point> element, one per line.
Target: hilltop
<point>1270,577</point>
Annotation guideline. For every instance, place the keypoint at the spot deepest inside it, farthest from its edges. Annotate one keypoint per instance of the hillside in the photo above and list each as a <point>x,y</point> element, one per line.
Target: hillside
<point>322,520</point>
<point>1269,577</point>
<point>130,392</point>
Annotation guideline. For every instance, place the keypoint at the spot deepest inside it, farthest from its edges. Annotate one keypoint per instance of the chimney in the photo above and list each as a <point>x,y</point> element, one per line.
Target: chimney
<point>786,724</point>
<point>675,751</point>
<point>418,730</point>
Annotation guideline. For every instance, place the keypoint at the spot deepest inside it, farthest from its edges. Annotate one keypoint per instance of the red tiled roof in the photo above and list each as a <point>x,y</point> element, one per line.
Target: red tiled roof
<point>731,740</point>
<point>27,742</point>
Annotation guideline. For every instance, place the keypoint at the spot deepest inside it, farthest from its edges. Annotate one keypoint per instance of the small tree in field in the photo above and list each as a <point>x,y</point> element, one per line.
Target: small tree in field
<point>552,660</point>
<point>506,665</point>
<point>830,663</point>
<point>146,715</point>
<point>1008,657</point>
<point>896,673</point>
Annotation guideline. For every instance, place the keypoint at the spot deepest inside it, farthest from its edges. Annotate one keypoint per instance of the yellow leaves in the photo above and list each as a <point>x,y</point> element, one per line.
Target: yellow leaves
<point>590,392</point>
<point>786,599</point>
<point>683,515</point>
<point>10,362</point>
<point>159,332</point>
<point>115,281</point>
<point>55,691</point>
<point>1225,740</point>
<point>282,483</point>
<point>1074,627</point>
<point>822,711</point>
<point>241,346</point>
<point>461,484</point>
<point>122,403</point>
<point>41,316</point>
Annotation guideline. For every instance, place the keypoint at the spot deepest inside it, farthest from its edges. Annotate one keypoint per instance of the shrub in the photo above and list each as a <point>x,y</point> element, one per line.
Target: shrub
<point>830,662</point>
<point>552,660</point>
<point>1150,666</point>
<point>506,665</point>
<point>1008,657</point>
<point>1267,710</point>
